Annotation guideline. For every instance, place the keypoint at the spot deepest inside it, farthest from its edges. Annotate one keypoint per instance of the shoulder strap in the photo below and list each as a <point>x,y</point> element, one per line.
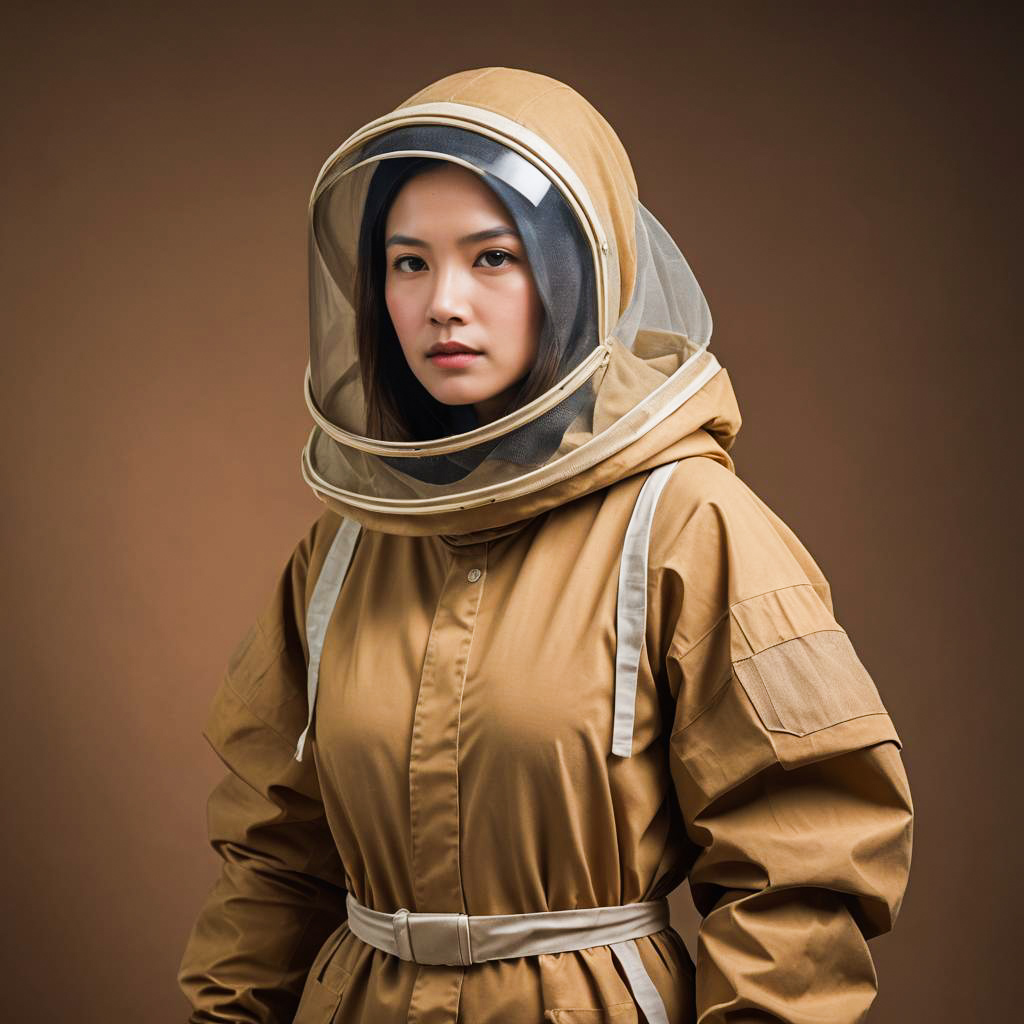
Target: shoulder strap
<point>321,607</point>
<point>631,607</point>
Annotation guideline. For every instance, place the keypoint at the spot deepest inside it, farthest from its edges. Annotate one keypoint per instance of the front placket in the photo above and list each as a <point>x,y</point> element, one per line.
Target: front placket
<point>434,773</point>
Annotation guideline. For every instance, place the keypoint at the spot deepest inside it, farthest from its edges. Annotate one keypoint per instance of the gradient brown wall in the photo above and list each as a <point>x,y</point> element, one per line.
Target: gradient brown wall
<point>843,183</point>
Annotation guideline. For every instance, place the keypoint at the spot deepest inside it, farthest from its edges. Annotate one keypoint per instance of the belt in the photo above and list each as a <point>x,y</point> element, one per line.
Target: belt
<point>465,939</point>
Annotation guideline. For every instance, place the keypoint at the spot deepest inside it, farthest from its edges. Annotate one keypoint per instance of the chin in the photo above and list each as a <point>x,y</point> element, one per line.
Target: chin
<point>460,393</point>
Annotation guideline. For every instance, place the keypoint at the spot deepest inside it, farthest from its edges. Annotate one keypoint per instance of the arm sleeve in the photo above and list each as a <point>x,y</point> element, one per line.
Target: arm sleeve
<point>787,769</point>
<point>281,888</point>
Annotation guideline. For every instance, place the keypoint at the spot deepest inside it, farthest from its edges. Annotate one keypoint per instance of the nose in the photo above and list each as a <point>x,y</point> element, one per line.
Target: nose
<point>449,299</point>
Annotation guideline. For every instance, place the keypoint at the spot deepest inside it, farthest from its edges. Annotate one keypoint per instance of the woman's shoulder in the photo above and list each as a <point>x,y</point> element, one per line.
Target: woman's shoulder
<point>320,534</point>
<point>709,517</point>
<point>700,494</point>
<point>309,551</point>
<point>701,479</point>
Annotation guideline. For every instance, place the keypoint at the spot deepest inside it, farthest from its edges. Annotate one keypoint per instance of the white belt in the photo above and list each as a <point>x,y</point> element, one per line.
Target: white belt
<point>464,939</point>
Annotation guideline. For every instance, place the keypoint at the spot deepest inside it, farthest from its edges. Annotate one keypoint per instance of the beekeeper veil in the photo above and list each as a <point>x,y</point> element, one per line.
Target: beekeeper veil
<point>624,321</point>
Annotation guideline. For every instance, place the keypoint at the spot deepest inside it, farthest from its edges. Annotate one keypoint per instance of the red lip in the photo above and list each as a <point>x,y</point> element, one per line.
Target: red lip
<point>445,347</point>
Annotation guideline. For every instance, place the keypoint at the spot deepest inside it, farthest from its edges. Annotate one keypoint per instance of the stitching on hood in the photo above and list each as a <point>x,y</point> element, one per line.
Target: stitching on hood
<point>518,116</point>
<point>470,84</point>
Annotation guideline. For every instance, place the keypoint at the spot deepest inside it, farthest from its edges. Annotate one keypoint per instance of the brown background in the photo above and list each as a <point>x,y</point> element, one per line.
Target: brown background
<point>843,183</point>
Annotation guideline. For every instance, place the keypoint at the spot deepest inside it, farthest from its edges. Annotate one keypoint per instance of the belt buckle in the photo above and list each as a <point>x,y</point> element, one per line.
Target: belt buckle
<point>433,938</point>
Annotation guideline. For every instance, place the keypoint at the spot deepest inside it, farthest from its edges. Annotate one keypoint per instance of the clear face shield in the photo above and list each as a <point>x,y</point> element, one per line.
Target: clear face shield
<point>594,364</point>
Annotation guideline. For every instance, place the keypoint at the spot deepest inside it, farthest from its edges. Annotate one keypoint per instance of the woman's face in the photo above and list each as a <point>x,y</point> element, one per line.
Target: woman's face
<point>457,272</point>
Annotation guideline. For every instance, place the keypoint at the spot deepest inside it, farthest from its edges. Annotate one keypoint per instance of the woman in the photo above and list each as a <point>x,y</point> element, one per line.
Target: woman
<point>543,652</point>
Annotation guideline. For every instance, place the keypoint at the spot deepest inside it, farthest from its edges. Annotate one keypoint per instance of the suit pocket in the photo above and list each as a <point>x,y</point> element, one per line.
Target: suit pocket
<point>318,1004</point>
<point>618,1013</point>
<point>325,985</point>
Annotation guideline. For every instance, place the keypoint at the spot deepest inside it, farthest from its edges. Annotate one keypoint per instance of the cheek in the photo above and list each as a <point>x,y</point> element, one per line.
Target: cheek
<point>399,306</point>
<point>392,303</point>
<point>521,316</point>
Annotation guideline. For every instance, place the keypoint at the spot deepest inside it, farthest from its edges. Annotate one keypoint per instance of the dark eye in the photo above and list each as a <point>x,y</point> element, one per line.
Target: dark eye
<point>505,257</point>
<point>397,264</point>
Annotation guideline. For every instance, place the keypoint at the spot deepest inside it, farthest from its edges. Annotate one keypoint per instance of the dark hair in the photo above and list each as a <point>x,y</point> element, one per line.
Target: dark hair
<point>398,406</point>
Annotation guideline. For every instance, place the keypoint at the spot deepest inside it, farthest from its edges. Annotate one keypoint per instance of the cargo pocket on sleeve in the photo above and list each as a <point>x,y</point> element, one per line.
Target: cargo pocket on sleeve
<point>809,683</point>
<point>798,669</point>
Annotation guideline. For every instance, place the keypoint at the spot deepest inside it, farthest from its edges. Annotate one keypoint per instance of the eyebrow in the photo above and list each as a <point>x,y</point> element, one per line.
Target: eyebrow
<point>477,236</point>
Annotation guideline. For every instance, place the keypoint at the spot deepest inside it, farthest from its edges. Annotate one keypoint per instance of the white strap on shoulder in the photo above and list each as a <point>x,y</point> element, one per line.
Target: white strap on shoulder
<point>321,607</point>
<point>631,607</point>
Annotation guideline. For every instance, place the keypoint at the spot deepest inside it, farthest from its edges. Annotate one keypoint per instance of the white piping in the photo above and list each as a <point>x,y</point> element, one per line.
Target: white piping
<point>573,380</point>
<point>641,419</point>
<point>516,137</point>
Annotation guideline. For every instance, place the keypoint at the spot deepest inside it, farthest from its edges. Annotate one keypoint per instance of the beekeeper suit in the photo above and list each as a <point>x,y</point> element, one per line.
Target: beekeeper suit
<point>523,678</point>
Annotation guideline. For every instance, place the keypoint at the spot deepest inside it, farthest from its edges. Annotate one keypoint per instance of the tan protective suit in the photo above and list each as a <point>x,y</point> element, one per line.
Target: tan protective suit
<point>460,756</point>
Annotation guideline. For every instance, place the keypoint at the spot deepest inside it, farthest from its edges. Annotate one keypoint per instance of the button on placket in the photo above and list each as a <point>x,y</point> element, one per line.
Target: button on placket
<point>433,754</point>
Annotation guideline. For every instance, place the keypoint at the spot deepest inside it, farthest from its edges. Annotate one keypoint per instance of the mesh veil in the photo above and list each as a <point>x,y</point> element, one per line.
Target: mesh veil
<point>602,368</point>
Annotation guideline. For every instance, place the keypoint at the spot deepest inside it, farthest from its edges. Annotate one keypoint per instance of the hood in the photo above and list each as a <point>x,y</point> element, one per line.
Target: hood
<point>637,385</point>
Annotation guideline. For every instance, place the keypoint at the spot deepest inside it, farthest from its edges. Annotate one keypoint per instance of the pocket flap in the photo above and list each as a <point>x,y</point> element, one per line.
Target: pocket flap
<point>809,683</point>
<point>619,1013</point>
